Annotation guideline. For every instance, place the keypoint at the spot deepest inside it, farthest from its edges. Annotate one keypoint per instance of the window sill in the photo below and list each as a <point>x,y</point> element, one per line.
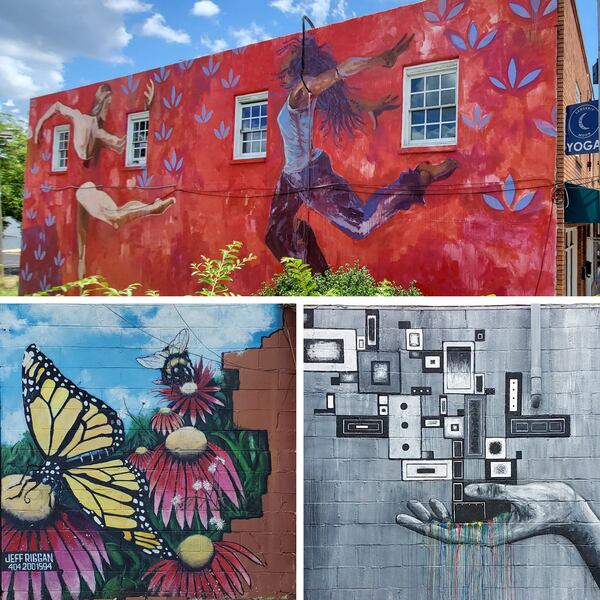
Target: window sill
<point>133,167</point>
<point>248,161</point>
<point>427,149</point>
<point>61,172</point>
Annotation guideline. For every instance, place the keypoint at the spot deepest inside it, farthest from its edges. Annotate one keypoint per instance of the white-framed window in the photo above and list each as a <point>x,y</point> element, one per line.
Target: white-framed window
<point>578,95</point>
<point>137,139</point>
<point>251,115</point>
<point>431,105</point>
<point>60,148</point>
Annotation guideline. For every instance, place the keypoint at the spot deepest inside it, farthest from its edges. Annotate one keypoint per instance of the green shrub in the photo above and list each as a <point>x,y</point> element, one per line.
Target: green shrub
<point>297,279</point>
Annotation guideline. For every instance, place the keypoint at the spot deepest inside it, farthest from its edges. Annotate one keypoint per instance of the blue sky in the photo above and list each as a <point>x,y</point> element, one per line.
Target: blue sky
<point>47,45</point>
<point>97,349</point>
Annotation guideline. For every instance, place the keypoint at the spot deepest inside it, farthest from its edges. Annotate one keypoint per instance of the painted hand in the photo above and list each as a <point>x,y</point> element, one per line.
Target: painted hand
<point>388,59</point>
<point>149,94</point>
<point>536,509</point>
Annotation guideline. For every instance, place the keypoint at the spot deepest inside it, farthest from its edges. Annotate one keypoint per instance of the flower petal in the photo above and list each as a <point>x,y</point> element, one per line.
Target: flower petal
<point>530,77</point>
<point>524,201</point>
<point>519,10</point>
<point>493,202</point>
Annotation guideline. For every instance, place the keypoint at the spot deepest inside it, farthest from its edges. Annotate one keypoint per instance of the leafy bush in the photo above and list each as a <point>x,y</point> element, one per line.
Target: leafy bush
<point>95,285</point>
<point>297,279</point>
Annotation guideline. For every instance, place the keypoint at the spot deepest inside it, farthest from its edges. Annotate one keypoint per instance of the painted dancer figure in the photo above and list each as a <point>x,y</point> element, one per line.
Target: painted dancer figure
<point>89,137</point>
<point>306,167</point>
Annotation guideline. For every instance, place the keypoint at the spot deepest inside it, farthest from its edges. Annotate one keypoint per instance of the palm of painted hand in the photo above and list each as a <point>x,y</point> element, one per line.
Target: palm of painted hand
<point>536,509</point>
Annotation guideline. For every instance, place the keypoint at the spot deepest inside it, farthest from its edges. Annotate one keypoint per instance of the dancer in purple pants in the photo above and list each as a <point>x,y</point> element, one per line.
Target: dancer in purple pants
<point>308,177</point>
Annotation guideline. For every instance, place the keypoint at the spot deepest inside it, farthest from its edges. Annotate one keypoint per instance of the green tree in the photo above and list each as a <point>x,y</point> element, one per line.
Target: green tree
<point>13,151</point>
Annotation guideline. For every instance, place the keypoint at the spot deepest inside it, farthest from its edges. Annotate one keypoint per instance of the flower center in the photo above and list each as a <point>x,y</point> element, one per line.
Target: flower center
<point>186,443</point>
<point>141,450</point>
<point>165,411</point>
<point>189,388</point>
<point>25,500</point>
<point>196,551</point>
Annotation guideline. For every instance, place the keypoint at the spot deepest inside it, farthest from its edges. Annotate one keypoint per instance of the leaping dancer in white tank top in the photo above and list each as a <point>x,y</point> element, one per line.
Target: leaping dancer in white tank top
<point>308,177</point>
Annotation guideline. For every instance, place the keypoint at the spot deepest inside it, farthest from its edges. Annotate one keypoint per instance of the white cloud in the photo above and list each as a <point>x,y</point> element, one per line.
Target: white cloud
<point>317,10</point>
<point>340,12</point>
<point>156,26</point>
<point>9,103</point>
<point>205,8</point>
<point>37,39</point>
<point>215,46</point>
<point>250,35</point>
<point>127,6</point>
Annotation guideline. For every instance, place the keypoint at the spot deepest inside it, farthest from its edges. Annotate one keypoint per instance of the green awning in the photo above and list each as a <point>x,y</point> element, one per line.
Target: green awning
<point>582,204</point>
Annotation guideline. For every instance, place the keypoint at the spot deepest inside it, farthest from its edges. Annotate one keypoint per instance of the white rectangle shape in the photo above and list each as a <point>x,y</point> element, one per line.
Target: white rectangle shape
<point>443,405</point>
<point>331,401</point>
<point>433,423</point>
<point>383,411</point>
<point>383,400</point>
<point>459,367</point>
<point>432,362</point>
<point>403,448</point>
<point>501,470</point>
<point>427,470</point>
<point>513,395</point>
<point>348,338</point>
<point>414,339</point>
<point>361,343</point>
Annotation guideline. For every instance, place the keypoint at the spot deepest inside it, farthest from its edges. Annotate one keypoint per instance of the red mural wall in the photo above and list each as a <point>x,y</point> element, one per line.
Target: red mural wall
<point>478,219</point>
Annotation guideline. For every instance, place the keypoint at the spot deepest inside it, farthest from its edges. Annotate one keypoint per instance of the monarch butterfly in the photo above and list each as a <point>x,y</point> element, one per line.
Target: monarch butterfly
<point>76,434</point>
<point>173,361</point>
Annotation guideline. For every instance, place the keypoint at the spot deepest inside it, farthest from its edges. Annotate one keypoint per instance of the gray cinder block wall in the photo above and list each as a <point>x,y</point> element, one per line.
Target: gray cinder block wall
<point>353,490</point>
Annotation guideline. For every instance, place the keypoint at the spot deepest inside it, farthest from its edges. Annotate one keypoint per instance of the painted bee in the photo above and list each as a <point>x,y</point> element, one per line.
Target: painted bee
<point>173,361</point>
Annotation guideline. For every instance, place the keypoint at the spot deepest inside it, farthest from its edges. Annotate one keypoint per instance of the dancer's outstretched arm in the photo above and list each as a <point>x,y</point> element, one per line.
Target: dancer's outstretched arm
<point>347,68</point>
<point>56,108</point>
<point>537,509</point>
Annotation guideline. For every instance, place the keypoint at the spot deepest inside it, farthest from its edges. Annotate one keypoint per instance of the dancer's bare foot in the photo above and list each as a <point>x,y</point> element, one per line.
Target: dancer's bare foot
<point>429,173</point>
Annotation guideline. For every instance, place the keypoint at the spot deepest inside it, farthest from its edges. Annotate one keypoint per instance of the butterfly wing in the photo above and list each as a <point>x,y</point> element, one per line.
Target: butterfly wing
<point>111,492</point>
<point>68,424</point>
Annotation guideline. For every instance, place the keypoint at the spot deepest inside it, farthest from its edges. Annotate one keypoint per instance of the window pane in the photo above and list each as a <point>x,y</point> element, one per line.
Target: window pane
<point>418,117</point>
<point>263,109</point>
<point>417,84</point>
<point>418,133</point>
<point>263,123</point>
<point>448,131</point>
<point>246,148</point>
<point>449,97</point>
<point>433,116</point>
<point>433,98</point>
<point>433,82</point>
<point>263,146</point>
<point>246,110</point>
<point>256,110</point>
<point>449,114</point>
<point>417,100</point>
<point>433,132</point>
<point>256,123</point>
<point>449,80</point>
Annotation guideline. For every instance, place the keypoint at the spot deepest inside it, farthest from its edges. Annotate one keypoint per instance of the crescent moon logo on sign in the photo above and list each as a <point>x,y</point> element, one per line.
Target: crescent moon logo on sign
<point>581,124</point>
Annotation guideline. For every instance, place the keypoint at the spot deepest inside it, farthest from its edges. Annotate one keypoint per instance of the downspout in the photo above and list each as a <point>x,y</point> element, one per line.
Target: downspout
<point>536,356</point>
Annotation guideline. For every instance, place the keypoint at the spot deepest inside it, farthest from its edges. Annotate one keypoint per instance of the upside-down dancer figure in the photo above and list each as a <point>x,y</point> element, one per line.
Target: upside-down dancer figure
<point>89,137</point>
<point>308,177</point>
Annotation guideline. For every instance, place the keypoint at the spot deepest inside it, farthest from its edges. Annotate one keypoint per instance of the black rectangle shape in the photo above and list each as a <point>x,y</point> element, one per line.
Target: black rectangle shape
<point>480,335</point>
<point>335,380</point>
<point>404,325</point>
<point>457,449</point>
<point>324,351</point>
<point>426,471</point>
<point>309,318</point>
<point>475,426</point>
<point>469,512</point>
<point>546,426</point>
<point>372,329</point>
<point>457,492</point>
<point>457,469</point>
<point>415,354</point>
<point>420,391</point>
<point>436,355</point>
<point>490,391</point>
<point>349,426</point>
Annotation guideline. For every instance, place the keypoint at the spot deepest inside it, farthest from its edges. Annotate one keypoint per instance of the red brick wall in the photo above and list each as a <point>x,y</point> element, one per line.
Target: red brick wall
<point>266,400</point>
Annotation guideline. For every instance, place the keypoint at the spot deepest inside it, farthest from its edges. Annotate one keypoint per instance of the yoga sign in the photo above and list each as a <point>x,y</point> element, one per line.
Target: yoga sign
<point>582,129</point>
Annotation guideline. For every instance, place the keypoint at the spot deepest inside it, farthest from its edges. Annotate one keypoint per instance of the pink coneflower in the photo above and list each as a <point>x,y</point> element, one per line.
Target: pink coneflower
<point>194,398</point>
<point>203,569</point>
<point>166,421</point>
<point>140,458</point>
<point>31,523</point>
<point>188,474</point>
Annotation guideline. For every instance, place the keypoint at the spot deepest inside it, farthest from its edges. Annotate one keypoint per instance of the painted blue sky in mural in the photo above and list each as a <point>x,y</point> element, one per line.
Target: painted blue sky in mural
<point>97,349</point>
<point>50,45</point>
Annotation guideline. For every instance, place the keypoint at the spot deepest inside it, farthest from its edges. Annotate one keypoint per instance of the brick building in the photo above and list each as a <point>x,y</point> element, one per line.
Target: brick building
<point>424,141</point>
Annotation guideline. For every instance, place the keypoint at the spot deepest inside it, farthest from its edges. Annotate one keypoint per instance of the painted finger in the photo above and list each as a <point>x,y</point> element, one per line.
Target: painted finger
<point>419,510</point>
<point>433,530</point>
<point>488,491</point>
<point>439,510</point>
